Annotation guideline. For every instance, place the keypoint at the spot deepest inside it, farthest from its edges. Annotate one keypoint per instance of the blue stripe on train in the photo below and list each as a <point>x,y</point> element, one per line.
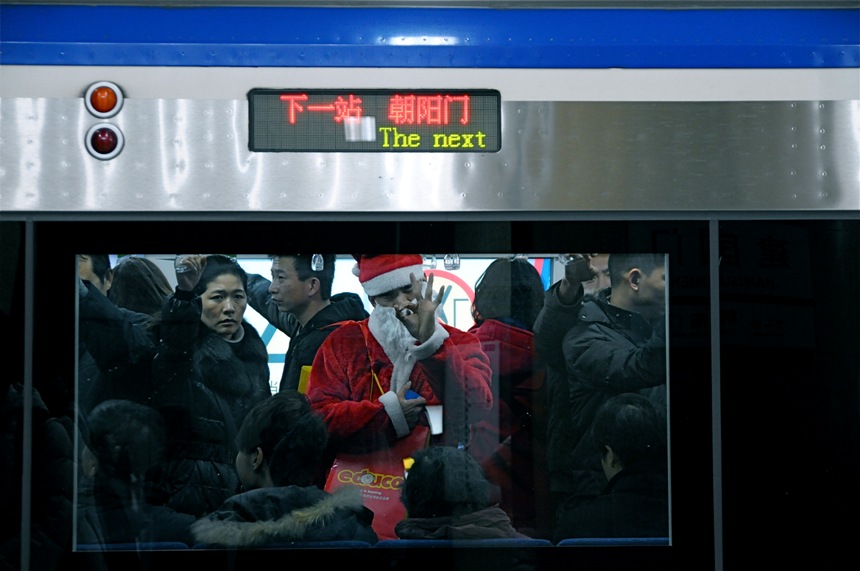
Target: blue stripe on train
<point>429,37</point>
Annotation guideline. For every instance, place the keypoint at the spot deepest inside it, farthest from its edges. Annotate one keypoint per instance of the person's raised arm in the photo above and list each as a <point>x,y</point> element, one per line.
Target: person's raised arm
<point>560,311</point>
<point>180,316</point>
<point>577,271</point>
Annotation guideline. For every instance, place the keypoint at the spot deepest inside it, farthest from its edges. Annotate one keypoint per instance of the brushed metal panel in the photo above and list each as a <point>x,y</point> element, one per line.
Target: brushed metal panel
<point>191,155</point>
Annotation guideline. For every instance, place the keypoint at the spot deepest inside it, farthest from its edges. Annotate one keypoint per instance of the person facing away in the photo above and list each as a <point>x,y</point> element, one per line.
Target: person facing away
<point>124,441</point>
<point>118,332</point>
<point>363,371</point>
<point>139,285</point>
<point>629,431</point>
<point>509,443</point>
<point>95,275</point>
<point>617,344</point>
<point>280,443</point>
<point>210,370</point>
<point>446,496</point>
<point>299,302</point>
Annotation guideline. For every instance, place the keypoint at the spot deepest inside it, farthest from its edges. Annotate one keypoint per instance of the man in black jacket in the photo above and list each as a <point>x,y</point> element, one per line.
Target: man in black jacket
<point>614,343</point>
<point>629,431</point>
<point>298,301</point>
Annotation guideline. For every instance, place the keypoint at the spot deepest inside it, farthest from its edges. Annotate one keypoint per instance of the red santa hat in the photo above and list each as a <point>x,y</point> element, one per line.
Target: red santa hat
<point>385,272</point>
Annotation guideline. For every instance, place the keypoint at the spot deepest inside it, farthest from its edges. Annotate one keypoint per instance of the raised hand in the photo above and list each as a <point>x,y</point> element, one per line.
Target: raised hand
<point>579,269</point>
<point>427,305</point>
<point>576,271</point>
<point>189,268</point>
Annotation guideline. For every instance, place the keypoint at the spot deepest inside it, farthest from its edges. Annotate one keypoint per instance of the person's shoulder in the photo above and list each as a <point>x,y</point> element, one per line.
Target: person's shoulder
<point>455,333</point>
<point>343,308</point>
<point>344,329</point>
<point>592,310</point>
<point>349,305</point>
<point>496,330</point>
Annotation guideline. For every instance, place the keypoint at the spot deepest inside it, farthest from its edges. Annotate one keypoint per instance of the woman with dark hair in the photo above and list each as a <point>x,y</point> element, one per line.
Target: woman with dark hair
<point>446,496</point>
<point>510,291</point>
<point>280,444</point>
<point>508,443</point>
<point>210,370</point>
<point>139,285</point>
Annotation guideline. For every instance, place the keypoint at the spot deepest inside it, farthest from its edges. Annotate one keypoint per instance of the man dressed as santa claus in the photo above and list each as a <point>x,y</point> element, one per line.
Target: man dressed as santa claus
<point>371,380</point>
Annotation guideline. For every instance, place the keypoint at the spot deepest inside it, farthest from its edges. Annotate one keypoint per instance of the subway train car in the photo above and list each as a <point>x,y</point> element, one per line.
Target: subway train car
<point>722,136</point>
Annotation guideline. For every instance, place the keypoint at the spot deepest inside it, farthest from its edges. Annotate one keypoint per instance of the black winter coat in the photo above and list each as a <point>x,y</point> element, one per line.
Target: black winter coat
<point>633,504</point>
<point>609,352</point>
<point>304,341</point>
<point>267,516</point>
<point>115,352</point>
<point>204,387</point>
<point>107,514</point>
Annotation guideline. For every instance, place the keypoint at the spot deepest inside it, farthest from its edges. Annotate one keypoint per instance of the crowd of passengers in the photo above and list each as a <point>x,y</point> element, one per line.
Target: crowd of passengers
<point>552,407</point>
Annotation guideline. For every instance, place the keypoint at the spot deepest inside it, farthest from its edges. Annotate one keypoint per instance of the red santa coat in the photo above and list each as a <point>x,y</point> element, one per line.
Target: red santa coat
<point>450,369</point>
<point>518,375</point>
<point>509,445</point>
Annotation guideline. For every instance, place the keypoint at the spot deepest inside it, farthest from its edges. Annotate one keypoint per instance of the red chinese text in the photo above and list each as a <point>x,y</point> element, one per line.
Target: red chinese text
<point>427,109</point>
<point>341,108</point>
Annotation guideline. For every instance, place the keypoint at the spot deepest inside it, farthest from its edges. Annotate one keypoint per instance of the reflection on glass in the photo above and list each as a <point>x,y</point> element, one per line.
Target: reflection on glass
<point>522,348</point>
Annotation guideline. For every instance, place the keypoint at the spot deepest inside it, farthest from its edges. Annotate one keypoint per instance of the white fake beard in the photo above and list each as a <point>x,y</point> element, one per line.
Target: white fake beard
<point>390,331</point>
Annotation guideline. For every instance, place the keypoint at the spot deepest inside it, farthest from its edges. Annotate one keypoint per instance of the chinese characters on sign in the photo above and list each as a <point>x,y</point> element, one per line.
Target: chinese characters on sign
<point>402,110</point>
<point>374,120</point>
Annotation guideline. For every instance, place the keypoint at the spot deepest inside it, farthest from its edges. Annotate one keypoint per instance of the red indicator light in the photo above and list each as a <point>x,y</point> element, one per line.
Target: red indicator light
<point>104,141</point>
<point>103,99</point>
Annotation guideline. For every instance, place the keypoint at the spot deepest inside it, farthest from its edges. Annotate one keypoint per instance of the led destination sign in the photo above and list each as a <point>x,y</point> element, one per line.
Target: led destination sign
<point>384,120</point>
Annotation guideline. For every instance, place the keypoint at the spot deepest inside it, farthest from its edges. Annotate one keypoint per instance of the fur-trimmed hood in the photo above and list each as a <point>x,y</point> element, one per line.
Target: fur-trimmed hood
<point>283,514</point>
<point>232,368</point>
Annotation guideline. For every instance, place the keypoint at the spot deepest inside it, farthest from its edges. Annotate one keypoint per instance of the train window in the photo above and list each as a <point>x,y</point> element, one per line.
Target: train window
<point>161,400</point>
<point>635,347</point>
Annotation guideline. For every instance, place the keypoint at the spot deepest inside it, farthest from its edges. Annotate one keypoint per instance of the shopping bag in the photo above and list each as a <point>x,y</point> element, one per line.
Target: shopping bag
<point>379,475</point>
